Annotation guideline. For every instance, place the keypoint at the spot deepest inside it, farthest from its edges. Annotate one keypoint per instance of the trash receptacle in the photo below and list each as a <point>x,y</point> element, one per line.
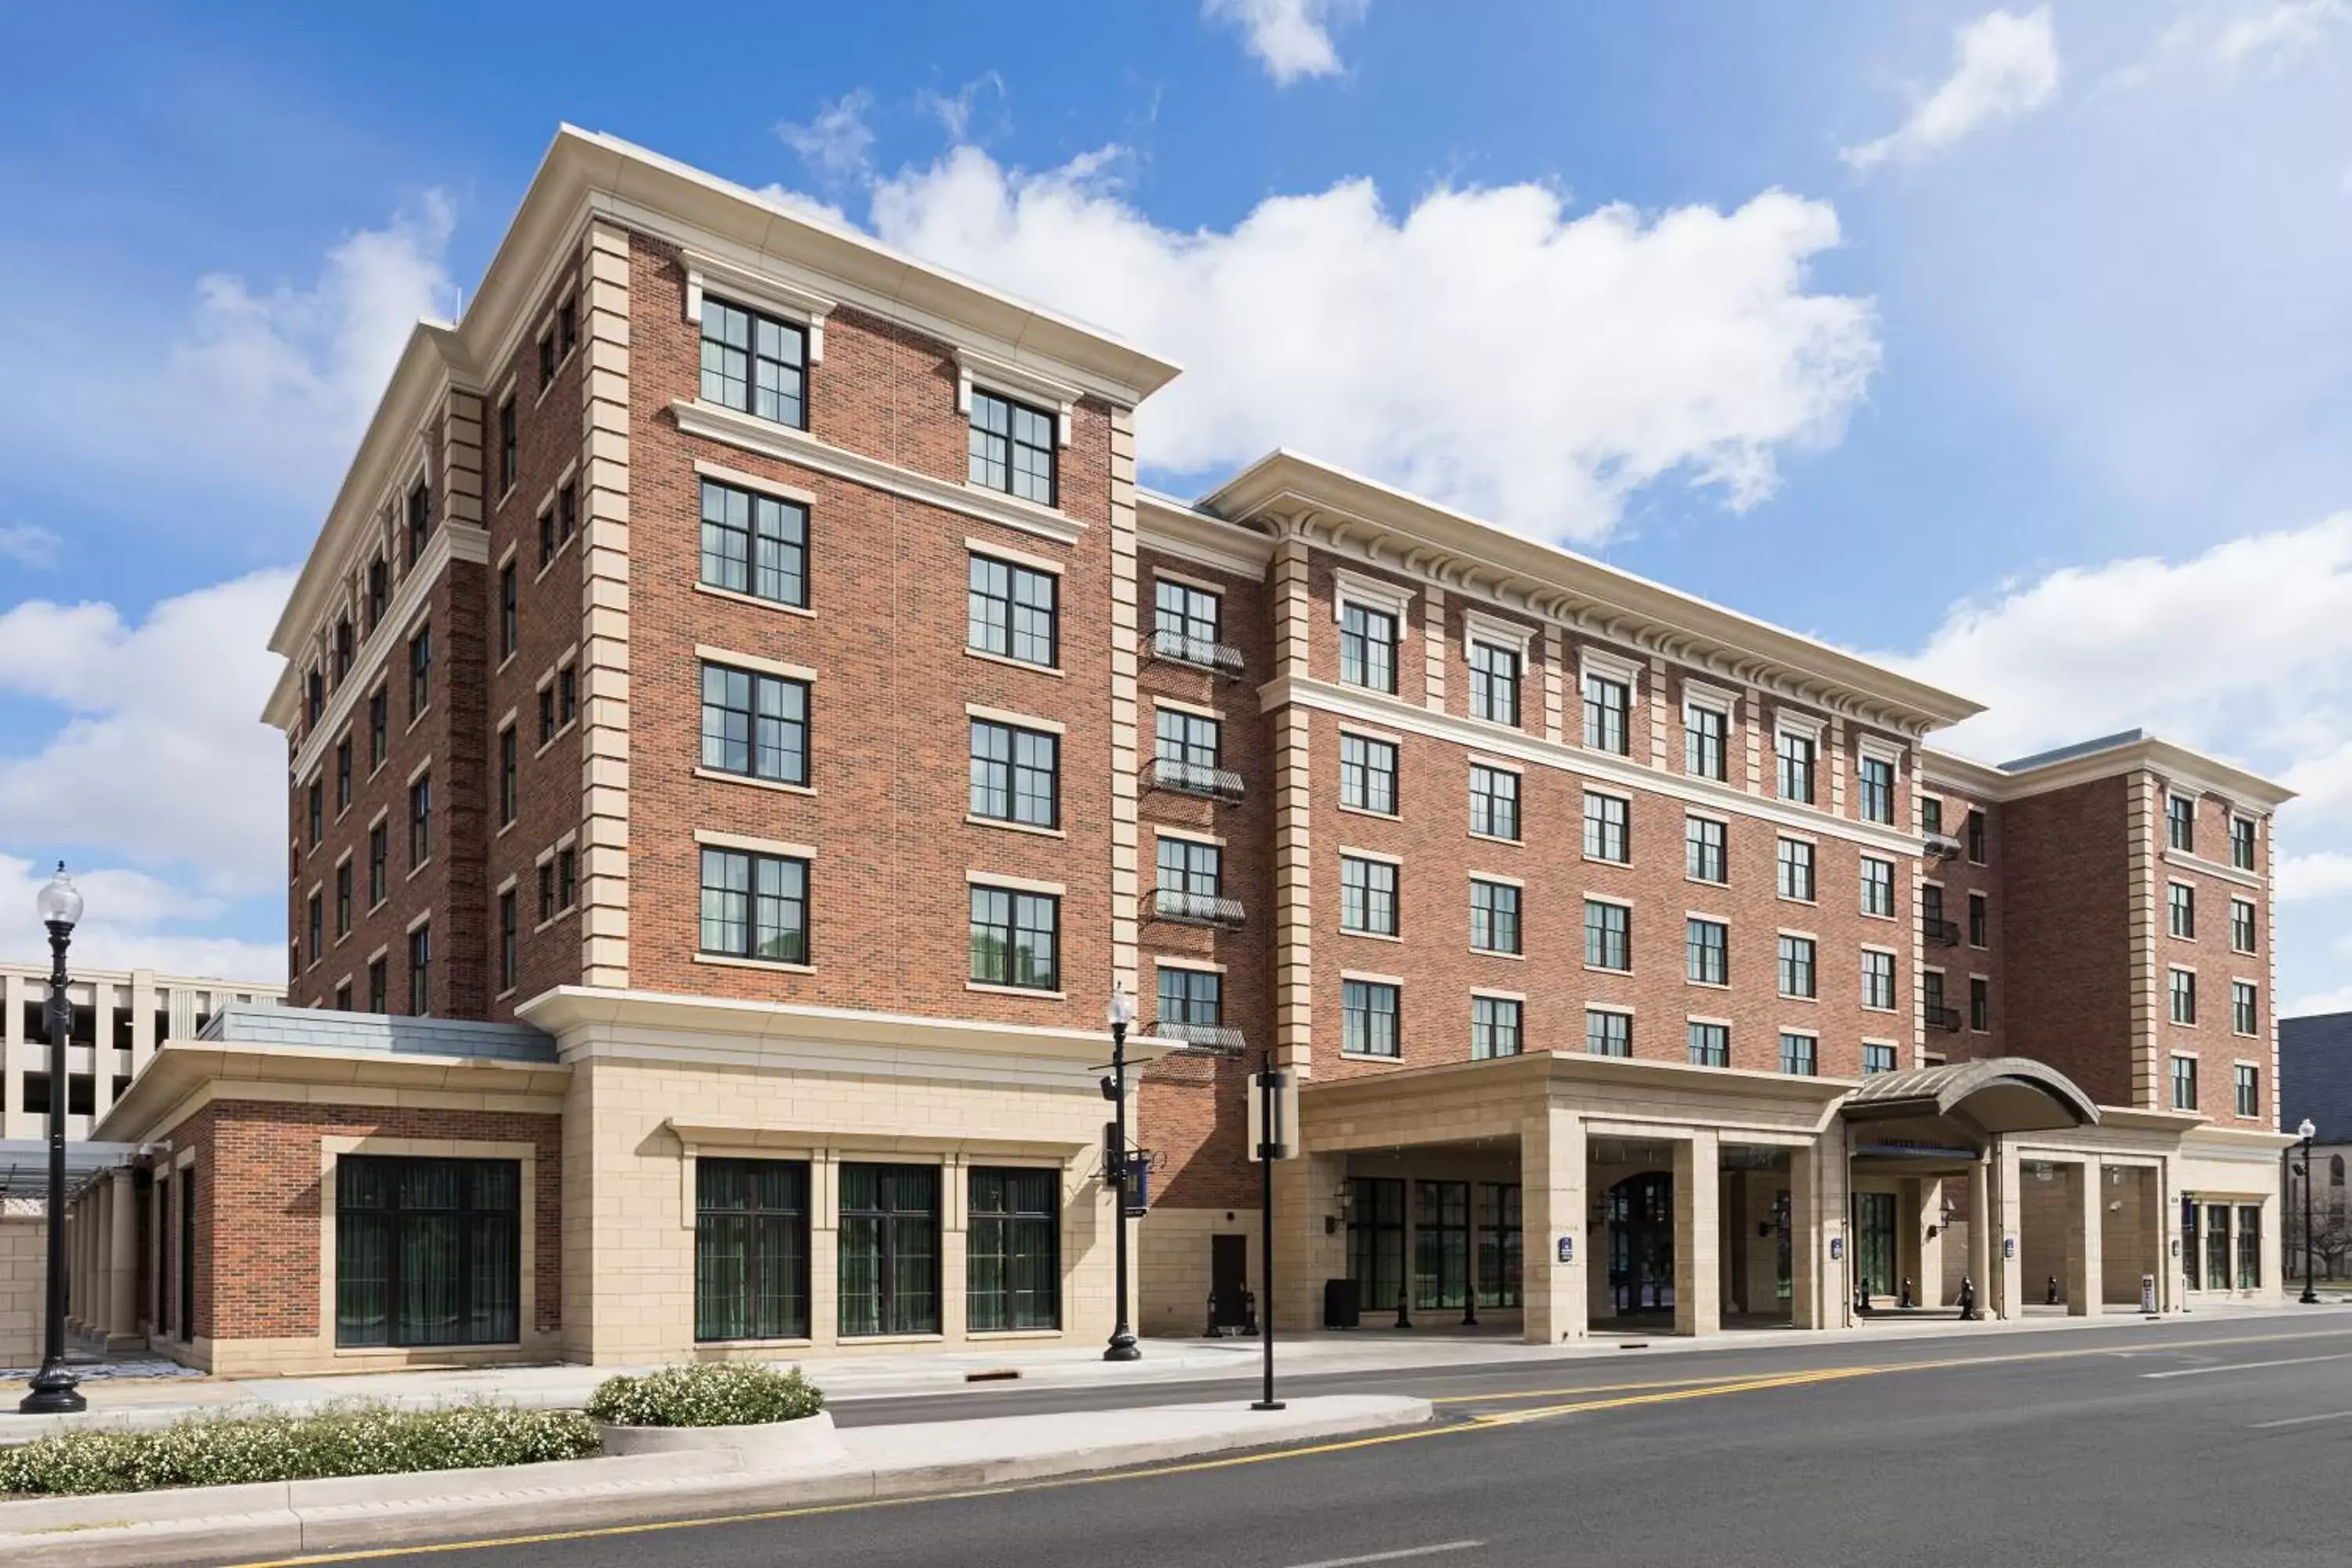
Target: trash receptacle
<point>1342,1304</point>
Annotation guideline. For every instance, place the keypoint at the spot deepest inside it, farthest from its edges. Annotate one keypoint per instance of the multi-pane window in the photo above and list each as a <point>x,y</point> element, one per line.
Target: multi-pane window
<point>1190,999</point>
<point>420,971</point>
<point>1368,775</point>
<point>1877,1059</point>
<point>378,592</point>
<point>2242,1006</point>
<point>1980,921</point>
<point>1710,1045</point>
<point>1493,916</point>
<point>1931,997</point>
<point>1608,704</point>
<point>2180,820</point>
<point>315,701</point>
<point>755,724</point>
<point>1368,1018</point>
<point>1015,774</point>
<point>1606,835</point>
<point>2242,843</point>
<point>1494,1027</point>
<point>509,768</point>
<point>2184,996</point>
<point>1016,939</point>
<point>508,468</point>
<point>378,727</point>
<point>1188,749</point>
<point>1797,1054</point>
<point>1797,966</point>
<point>890,1250</point>
<point>1794,862</point>
<point>510,942</point>
<point>420,673</point>
<point>1877,780</point>
<point>548,904</point>
<point>1494,802</point>
<point>1976,838</point>
<point>1979,1003</point>
<point>420,507</point>
<point>1010,611</point>
<point>754,362</point>
<point>316,928</point>
<point>343,898</point>
<point>1931,815</point>
<point>567,697</point>
<point>1368,901</point>
<point>318,811</point>
<point>546,713</point>
<point>1012,1269</point>
<point>1707,951</point>
<point>1186,624</point>
<point>1012,448</point>
<point>1704,858</point>
<point>1705,731</point>
<point>427,1252</point>
<point>754,906</point>
<point>1608,1033</point>
<point>1877,980</point>
<point>420,821</point>
<point>1797,753</point>
<point>379,987</point>
<point>2248,1102</point>
<point>342,648</point>
<point>2180,908</point>
<point>2184,1083</point>
<point>2241,925</point>
<point>755,545</point>
<point>378,855</point>
<point>1608,935</point>
<point>1878,886</point>
<point>1367,647</point>
<point>1494,683</point>
<point>750,1249</point>
<point>510,611</point>
<point>343,775</point>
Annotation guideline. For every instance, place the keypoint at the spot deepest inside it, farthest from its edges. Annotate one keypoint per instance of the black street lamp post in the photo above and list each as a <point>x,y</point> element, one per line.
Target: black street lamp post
<point>53,1386</point>
<point>1120,1012</point>
<point>2310,1297</point>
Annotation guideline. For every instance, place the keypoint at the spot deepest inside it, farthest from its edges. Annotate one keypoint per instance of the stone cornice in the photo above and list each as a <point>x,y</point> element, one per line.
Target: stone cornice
<point>450,542</point>
<point>2176,765</point>
<point>1174,528</point>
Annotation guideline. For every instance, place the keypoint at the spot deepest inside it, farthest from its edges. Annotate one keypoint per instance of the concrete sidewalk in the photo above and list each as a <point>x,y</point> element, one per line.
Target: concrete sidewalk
<point>283,1519</point>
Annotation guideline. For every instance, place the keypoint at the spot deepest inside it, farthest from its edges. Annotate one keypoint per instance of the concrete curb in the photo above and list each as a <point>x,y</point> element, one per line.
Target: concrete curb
<point>287,1519</point>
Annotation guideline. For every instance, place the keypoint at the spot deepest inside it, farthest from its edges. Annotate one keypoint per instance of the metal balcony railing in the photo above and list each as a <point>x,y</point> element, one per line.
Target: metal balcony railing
<point>1180,777</point>
<point>1942,932</point>
<point>1180,907</point>
<point>1207,1039</point>
<point>1945,1018</point>
<point>1177,647</point>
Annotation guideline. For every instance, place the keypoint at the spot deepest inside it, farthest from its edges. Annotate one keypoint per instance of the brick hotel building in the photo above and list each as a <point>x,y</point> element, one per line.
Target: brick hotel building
<point>744,721</point>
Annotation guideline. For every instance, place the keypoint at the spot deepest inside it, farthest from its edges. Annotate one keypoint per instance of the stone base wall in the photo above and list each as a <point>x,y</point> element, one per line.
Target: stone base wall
<point>24,1253</point>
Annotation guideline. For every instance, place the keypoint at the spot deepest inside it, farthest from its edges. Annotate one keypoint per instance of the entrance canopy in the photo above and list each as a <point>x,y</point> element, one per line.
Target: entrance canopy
<point>1998,1095</point>
<point>25,1166</point>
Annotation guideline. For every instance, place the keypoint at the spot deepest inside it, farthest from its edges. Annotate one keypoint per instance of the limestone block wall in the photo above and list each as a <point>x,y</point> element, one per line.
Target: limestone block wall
<point>23,1248</point>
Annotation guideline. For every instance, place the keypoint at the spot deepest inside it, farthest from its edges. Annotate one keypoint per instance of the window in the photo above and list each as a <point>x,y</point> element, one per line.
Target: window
<point>1368,775</point>
<point>1877,1059</point>
<point>753,362</point>
<point>546,713</point>
<point>1368,1018</point>
<point>2249,1100</point>
<point>315,702</point>
<point>1607,706</point>
<point>379,991</point>
<point>1703,849</point>
<point>510,939</point>
<point>1931,998</point>
<point>420,971</point>
<point>1931,815</point>
<point>567,877</point>
<point>2184,996</point>
<point>1605,834</point>
<point>509,613</point>
<point>1979,1003</point>
<point>1980,921</point>
<point>1707,945</point>
<point>1877,980</point>
<point>1705,731</point>
<point>2242,1006</point>
<point>1367,896</point>
<point>420,673</point>
<point>1878,886</point>
<point>2184,1083</point>
<point>378,727</point>
<point>1013,1254</point>
<point>753,906</point>
<point>2180,908</point>
<point>342,648</point>
<point>755,545</point>
<point>1186,749</point>
<point>2180,821</point>
<point>315,928</point>
<point>755,725</point>
<point>420,511</point>
<point>343,775</point>
<point>1185,625</point>
<point>1797,1054</point>
<point>1191,1003</point>
<point>546,359</point>
<point>508,466</point>
<point>1441,1244</point>
<point>1493,916</point>
<point>1608,935</point>
<point>1797,966</point>
<point>1493,1028</point>
<point>1608,1033</point>
<point>1016,939</point>
<point>420,821</point>
<point>750,1249</point>
<point>1012,448</point>
<point>1794,858</point>
<point>567,697</point>
<point>1710,1045</point>
<point>1877,776</point>
<point>342,1005</point>
<point>1367,647</point>
<point>378,592</point>
<point>548,903</point>
<point>1015,774</point>
<point>1493,803</point>
<point>427,1252</point>
<point>318,811</point>
<point>1010,611</point>
<point>1494,683</point>
<point>889,1259</point>
<point>1795,753</point>
<point>2241,925</point>
<point>1376,1240</point>
<point>377,855</point>
<point>1192,877</point>
<point>344,899</point>
<point>2242,843</point>
<point>1499,1236</point>
<point>1976,834</point>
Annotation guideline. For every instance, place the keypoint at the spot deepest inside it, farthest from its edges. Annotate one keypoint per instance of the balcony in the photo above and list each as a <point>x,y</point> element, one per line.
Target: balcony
<point>1201,1039</point>
<point>1178,776</point>
<point>1945,1018</point>
<point>1938,930</point>
<point>1168,647</point>
<point>1942,845</point>
<point>1178,907</point>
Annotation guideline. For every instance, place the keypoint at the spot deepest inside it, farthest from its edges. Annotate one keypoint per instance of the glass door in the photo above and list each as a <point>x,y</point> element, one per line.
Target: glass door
<point>1441,1244</point>
<point>1873,1253</point>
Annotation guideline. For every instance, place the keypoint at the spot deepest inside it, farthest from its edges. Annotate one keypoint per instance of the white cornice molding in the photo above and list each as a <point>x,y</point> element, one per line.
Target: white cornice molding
<point>450,542</point>
<point>746,432</point>
<point>1231,548</point>
<point>2250,795</point>
<point>988,371</point>
<point>759,290</point>
<point>1393,599</point>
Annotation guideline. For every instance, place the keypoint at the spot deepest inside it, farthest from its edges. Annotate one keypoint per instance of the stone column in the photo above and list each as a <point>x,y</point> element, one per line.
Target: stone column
<point>2007,1230</point>
<point>1551,1207</point>
<point>2086,1274</point>
<point>1698,1226</point>
<point>1926,1224</point>
<point>122,1295</point>
<point>1982,1224</point>
<point>1806,1250</point>
<point>1834,1224</point>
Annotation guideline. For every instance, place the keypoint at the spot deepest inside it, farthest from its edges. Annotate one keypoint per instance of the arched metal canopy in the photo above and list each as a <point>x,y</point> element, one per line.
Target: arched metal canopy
<point>1999,1094</point>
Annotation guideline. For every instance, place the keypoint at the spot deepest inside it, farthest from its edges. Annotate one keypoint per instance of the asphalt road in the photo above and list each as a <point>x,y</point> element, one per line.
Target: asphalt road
<point>2217,1445</point>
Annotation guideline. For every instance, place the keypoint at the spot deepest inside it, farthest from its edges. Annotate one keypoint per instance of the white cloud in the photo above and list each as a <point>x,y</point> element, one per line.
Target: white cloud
<point>1485,348</point>
<point>2324,875</point>
<point>29,546</point>
<point>954,111</point>
<point>2274,35</point>
<point>2003,65</point>
<point>133,921</point>
<point>2336,1001</point>
<point>837,144</point>
<point>1291,38</point>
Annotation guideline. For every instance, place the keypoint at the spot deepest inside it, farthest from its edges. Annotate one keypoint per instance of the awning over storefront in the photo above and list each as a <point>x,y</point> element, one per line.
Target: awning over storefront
<point>1998,1095</point>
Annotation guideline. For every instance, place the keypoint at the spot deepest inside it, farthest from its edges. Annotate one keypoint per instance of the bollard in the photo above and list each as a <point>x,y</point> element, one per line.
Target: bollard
<point>1904,1301</point>
<point>1404,1319</point>
<point>2051,1298</point>
<point>1470,1308</point>
<point>1968,1313</point>
<point>1212,1331</point>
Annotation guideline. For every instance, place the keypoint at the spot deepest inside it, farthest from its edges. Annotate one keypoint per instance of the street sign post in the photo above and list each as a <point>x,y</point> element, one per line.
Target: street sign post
<point>1273,1135</point>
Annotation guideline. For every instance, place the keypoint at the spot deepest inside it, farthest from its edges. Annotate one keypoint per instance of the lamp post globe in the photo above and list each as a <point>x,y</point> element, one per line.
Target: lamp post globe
<point>2307,1132</point>
<point>1119,1013</point>
<point>59,905</point>
<point>59,901</point>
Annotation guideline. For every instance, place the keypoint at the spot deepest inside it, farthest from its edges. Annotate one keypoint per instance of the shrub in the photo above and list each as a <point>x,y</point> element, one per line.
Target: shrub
<point>351,1439</point>
<point>721,1394</point>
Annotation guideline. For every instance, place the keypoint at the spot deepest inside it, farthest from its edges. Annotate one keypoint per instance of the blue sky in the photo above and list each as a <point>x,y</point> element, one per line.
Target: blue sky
<point>2011,344</point>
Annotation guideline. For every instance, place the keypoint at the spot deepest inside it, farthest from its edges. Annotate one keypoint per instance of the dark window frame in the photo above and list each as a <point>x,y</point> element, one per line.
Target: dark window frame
<point>989,451</point>
<point>763,916</point>
<point>996,608</point>
<point>998,772</point>
<point>769,1201</point>
<point>754,361</point>
<point>780,735</point>
<point>478,1216</point>
<point>999,944</point>
<point>753,543</point>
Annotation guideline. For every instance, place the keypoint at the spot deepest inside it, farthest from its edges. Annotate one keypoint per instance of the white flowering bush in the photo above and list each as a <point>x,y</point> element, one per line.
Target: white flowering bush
<point>350,1439</point>
<point>718,1393</point>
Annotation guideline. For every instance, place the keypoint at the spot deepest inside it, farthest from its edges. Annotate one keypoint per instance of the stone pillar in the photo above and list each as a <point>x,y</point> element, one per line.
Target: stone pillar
<point>1926,1224</point>
<point>1981,1226</point>
<point>1835,1222</point>
<point>2008,1231</point>
<point>1699,1229</point>
<point>122,1261</point>
<point>2086,1274</point>
<point>2274,1220</point>
<point>1806,1246</point>
<point>1307,1252</point>
<point>1552,1208</point>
